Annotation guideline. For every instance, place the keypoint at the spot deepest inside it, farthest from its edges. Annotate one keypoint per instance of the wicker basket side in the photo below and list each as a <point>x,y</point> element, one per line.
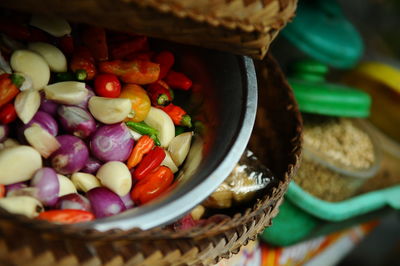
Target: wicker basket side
<point>237,26</point>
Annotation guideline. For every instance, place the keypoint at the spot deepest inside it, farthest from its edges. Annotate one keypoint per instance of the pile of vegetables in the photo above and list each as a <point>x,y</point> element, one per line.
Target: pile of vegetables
<point>88,127</point>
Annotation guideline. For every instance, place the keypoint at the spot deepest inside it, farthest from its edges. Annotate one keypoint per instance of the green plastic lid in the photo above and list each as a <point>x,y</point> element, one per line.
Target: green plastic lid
<point>315,95</point>
<point>321,31</point>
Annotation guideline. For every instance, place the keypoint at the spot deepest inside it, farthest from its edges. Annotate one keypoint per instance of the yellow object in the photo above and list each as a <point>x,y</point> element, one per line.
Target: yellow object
<point>386,74</point>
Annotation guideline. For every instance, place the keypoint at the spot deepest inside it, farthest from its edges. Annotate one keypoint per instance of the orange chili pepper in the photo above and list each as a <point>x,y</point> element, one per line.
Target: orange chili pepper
<point>67,216</point>
<point>134,71</point>
<point>152,186</point>
<point>9,87</point>
<point>142,146</point>
<point>2,191</point>
<point>139,99</point>
<point>178,115</point>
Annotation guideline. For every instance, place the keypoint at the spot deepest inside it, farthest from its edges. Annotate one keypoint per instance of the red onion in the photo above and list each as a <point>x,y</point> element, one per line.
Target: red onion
<point>73,201</point>
<point>44,120</point>
<point>112,143</point>
<point>76,121</point>
<point>127,200</point>
<point>104,202</point>
<point>46,181</point>
<point>84,103</point>
<point>91,166</point>
<point>4,131</point>
<point>71,156</point>
<point>15,186</point>
<point>48,106</point>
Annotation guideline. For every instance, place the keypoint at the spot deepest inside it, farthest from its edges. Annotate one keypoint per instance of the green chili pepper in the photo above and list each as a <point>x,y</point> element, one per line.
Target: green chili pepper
<point>179,130</point>
<point>17,80</point>
<point>81,74</point>
<point>64,76</point>
<point>144,129</point>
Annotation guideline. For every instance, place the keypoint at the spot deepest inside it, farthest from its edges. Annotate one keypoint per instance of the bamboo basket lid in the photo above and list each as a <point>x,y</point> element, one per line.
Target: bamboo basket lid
<point>276,141</point>
<point>244,27</point>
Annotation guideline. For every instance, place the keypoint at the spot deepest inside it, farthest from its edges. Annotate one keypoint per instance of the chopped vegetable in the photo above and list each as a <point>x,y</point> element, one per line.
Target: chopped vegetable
<point>166,59</point>
<point>84,181</point>
<point>53,56</point>
<point>112,143</point>
<point>33,65</point>
<point>179,147</point>
<point>139,99</point>
<point>8,89</point>
<point>45,121</point>
<point>26,105</point>
<point>12,170</point>
<point>159,95</point>
<point>152,186</point>
<point>178,80</point>
<point>47,184</point>
<point>142,147</point>
<point>7,114</point>
<point>24,205</point>
<point>160,120</point>
<point>178,115</point>
<point>67,92</point>
<point>71,156</point>
<point>83,64</point>
<point>76,121</point>
<point>104,202</point>
<point>66,216</point>
<point>134,71</point>
<point>66,186</point>
<point>110,110</point>
<point>73,201</point>
<point>149,162</point>
<point>115,176</point>
<point>107,85</point>
<point>41,140</point>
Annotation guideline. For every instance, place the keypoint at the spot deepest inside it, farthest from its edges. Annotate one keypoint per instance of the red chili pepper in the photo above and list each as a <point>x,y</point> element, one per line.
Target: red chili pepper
<point>14,29</point>
<point>149,162</point>
<point>166,59</point>
<point>7,114</point>
<point>158,94</point>
<point>95,39</point>
<point>178,80</point>
<point>66,44</point>
<point>107,85</point>
<point>82,64</point>
<point>67,216</point>
<point>122,49</point>
<point>178,115</point>
<point>2,191</point>
<point>9,85</point>
<point>153,185</point>
<point>142,147</point>
<point>135,71</point>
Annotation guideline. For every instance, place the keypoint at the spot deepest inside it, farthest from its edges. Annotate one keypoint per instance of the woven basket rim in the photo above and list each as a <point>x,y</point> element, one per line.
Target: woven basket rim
<point>286,12</point>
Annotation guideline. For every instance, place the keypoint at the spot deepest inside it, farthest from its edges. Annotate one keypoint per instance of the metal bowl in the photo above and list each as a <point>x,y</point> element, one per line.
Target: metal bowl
<point>224,99</point>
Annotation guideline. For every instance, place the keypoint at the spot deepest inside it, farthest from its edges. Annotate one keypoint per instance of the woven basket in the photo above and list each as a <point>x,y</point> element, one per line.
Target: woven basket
<point>240,26</point>
<point>276,141</point>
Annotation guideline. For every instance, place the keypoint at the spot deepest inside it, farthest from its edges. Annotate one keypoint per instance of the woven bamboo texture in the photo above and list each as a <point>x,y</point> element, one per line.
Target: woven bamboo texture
<point>240,26</point>
<point>276,141</point>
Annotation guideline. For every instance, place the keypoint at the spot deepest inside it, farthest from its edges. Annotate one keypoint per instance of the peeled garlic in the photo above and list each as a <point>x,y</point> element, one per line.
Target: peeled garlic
<point>26,105</point>
<point>161,121</point>
<point>41,140</point>
<point>109,110</point>
<point>24,205</point>
<point>66,186</point>
<point>115,176</point>
<point>66,92</point>
<point>33,65</point>
<point>179,147</point>
<point>53,56</point>
<point>168,162</point>
<point>53,25</point>
<point>84,181</point>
